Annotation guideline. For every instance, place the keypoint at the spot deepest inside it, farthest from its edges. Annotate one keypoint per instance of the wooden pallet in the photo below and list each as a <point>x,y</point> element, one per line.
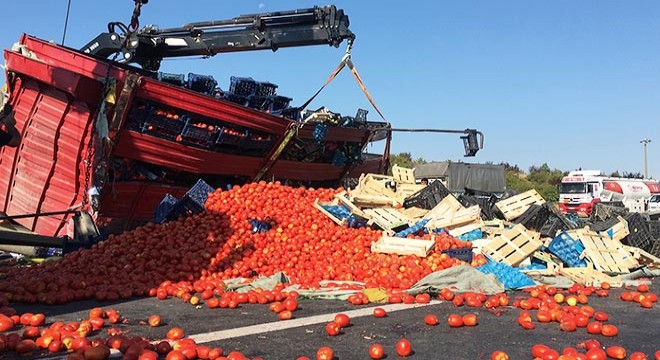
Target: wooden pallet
<point>605,254</point>
<point>618,231</point>
<point>643,257</point>
<point>590,277</point>
<point>319,205</point>
<point>403,246</point>
<point>513,246</point>
<point>454,219</point>
<point>403,175</point>
<point>516,205</point>
<point>387,218</point>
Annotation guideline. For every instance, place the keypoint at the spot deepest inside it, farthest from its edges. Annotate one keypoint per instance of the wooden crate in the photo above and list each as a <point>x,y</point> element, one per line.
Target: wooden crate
<point>590,277</point>
<point>405,190</point>
<point>415,213</point>
<point>387,218</point>
<point>342,197</point>
<point>618,231</point>
<point>643,257</point>
<point>513,246</point>
<point>403,246</point>
<point>454,219</point>
<point>371,191</point>
<point>403,175</point>
<point>605,254</point>
<point>516,205</point>
<point>461,229</point>
<point>446,207</point>
<point>319,205</point>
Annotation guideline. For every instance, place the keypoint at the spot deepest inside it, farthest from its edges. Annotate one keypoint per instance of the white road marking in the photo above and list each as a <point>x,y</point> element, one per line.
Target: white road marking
<point>294,323</point>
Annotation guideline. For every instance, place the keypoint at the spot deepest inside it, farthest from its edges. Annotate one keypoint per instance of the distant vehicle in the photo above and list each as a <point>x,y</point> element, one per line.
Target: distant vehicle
<point>580,190</point>
<point>654,203</point>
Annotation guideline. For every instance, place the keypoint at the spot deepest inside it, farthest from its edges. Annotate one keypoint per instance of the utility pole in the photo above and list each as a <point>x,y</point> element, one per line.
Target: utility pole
<point>645,142</point>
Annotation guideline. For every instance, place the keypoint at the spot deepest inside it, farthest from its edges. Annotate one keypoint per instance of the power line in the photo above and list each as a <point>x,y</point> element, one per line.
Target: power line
<point>66,20</point>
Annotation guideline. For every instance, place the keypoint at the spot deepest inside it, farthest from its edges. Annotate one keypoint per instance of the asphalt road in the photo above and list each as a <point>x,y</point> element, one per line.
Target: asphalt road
<point>639,328</point>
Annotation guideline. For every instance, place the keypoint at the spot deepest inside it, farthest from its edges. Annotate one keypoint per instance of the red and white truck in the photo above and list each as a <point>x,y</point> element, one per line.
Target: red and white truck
<point>581,189</point>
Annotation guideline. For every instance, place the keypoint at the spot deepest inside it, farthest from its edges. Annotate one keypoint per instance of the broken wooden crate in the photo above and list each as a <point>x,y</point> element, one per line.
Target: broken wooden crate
<point>605,254</point>
<point>403,246</point>
<point>372,191</point>
<point>516,205</point>
<point>590,277</point>
<point>619,230</point>
<point>387,219</point>
<point>513,246</point>
<point>643,257</point>
<point>325,208</point>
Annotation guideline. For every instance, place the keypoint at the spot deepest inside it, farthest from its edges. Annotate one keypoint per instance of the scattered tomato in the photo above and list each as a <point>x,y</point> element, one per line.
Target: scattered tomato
<point>403,348</point>
<point>376,351</point>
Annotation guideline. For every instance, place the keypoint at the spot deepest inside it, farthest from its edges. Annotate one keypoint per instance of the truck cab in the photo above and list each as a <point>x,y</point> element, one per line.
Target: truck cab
<point>653,203</point>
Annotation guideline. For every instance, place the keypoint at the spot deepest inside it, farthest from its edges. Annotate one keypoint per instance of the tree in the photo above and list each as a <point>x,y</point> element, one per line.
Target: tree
<point>404,159</point>
<point>541,178</point>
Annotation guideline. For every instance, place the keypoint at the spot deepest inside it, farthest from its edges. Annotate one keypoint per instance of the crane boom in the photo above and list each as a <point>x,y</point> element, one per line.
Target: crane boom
<point>148,46</point>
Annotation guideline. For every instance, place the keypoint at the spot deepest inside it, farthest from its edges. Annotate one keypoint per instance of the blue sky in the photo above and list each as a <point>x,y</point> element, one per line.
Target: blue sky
<point>569,83</point>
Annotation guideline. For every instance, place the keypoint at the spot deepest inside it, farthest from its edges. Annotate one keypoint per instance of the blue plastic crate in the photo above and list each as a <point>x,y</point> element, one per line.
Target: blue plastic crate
<point>412,229</point>
<point>243,86</point>
<point>199,136</point>
<point>509,276</point>
<point>200,192</point>
<point>192,202</point>
<point>568,250</point>
<point>164,208</point>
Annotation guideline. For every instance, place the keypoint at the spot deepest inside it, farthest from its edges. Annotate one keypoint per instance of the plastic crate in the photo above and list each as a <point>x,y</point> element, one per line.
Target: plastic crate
<point>428,197</point>
<point>192,202</point>
<point>568,250</point>
<point>265,88</point>
<point>204,84</point>
<point>655,250</point>
<point>243,86</point>
<point>639,236</point>
<point>511,277</point>
<point>164,208</point>
<point>464,254</point>
<point>534,217</point>
<point>552,227</point>
<point>162,126</point>
<point>279,103</point>
<point>228,137</point>
<point>174,79</point>
<point>236,99</point>
<point>199,136</point>
<point>258,144</point>
<point>258,102</point>
<point>603,225</point>
<point>654,229</point>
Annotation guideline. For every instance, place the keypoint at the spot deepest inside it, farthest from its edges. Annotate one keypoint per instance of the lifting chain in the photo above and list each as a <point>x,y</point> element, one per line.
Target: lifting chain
<point>89,162</point>
<point>135,19</point>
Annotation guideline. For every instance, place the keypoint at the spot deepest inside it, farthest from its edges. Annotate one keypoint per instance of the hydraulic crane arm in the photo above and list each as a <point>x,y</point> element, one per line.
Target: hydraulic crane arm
<point>148,46</point>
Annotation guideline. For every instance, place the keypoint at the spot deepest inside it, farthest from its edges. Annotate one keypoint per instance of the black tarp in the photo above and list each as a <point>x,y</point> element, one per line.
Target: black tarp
<point>478,177</point>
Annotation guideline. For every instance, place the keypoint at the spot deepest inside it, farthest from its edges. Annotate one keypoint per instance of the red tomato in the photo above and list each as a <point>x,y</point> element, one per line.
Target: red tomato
<point>616,352</point>
<point>470,320</point>
<point>285,315</point>
<point>332,328</point>
<point>609,330</point>
<point>458,300</point>
<point>596,354</point>
<point>37,320</point>
<point>154,320</point>
<point>595,327</point>
<point>539,350</point>
<point>97,353</point>
<point>175,355</point>
<point>174,333</point>
<point>423,298</point>
<point>376,351</point>
<point>379,312</point>
<point>642,288</point>
<point>403,348</point>
<point>431,319</point>
<point>343,320</point>
<point>592,344</point>
<point>291,304</point>
<point>6,323</point>
<point>638,356</point>
<point>325,353</point>
<point>455,320</point>
<point>568,325</point>
<point>499,355</point>
<point>601,316</point>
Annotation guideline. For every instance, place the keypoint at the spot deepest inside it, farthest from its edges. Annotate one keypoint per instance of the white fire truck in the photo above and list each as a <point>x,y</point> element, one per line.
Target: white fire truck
<point>580,190</point>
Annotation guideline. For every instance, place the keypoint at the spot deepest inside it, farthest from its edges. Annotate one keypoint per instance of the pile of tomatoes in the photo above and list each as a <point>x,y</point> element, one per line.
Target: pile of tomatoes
<point>219,244</point>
